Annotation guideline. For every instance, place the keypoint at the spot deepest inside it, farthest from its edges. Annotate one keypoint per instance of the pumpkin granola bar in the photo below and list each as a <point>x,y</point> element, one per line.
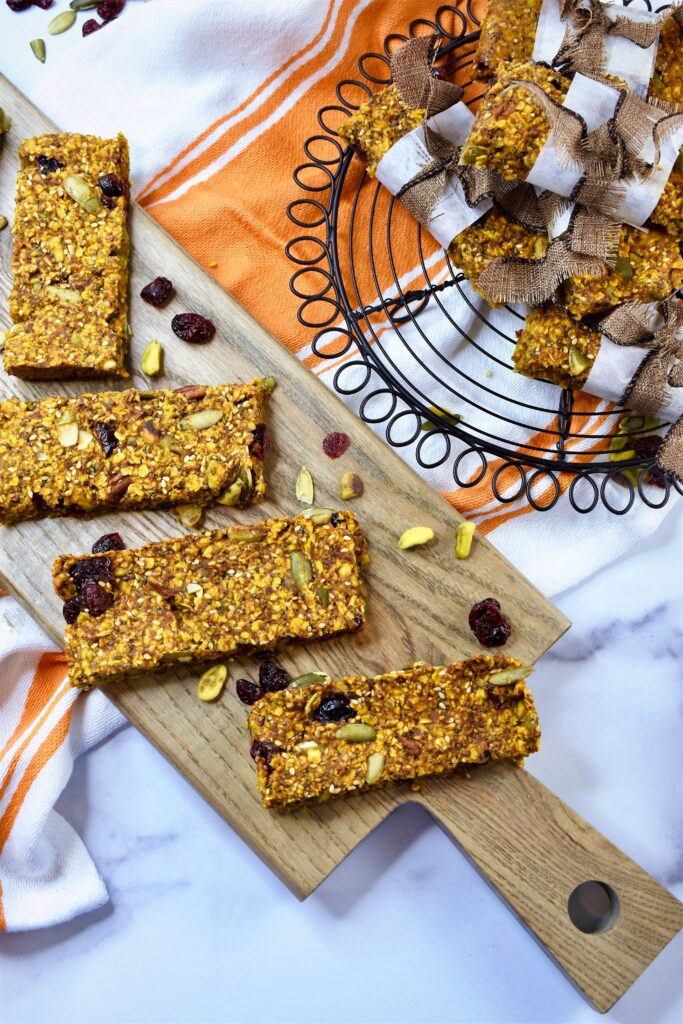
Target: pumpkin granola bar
<point>553,346</point>
<point>667,79</point>
<point>70,261</point>
<point>649,268</point>
<point>508,32</point>
<point>314,742</point>
<point>132,449</point>
<point>379,123</point>
<point>210,595</point>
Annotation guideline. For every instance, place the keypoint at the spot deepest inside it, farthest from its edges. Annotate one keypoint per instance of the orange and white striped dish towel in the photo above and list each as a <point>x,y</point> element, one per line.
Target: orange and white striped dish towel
<point>217,98</point>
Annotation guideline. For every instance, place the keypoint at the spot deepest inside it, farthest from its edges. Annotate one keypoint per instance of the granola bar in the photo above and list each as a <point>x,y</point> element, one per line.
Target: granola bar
<point>667,79</point>
<point>70,260</point>
<point>508,32</point>
<point>379,123</point>
<point>553,346</point>
<point>311,743</point>
<point>649,268</point>
<point>668,213</point>
<point>210,595</point>
<point>132,449</point>
<point>494,235</point>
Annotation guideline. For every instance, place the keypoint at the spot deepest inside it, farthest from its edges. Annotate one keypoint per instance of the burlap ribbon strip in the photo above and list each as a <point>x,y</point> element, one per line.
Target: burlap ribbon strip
<point>583,46</point>
<point>662,368</point>
<point>411,68</point>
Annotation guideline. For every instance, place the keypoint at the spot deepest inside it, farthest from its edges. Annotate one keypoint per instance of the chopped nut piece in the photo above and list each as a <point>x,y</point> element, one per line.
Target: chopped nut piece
<point>195,588</point>
<point>67,434</point>
<point>212,683</point>
<point>304,487</point>
<point>415,536</point>
<point>578,362</point>
<point>463,539</point>
<point>151,359</point>
<point>350,486</point>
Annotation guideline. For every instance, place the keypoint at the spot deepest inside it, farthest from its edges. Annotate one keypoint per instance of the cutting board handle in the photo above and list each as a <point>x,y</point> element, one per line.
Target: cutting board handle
<point>536,851</point>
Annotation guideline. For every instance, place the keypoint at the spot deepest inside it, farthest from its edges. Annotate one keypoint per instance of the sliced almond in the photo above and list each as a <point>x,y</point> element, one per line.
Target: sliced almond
<point>67,434</point>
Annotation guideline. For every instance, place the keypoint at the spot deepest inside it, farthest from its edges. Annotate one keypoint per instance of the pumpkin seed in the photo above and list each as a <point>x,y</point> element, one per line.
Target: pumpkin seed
<point>61,23</point>
<point>302,570</point>
<point>84,5</point>
<point>375,767</point>
<point>623,268</point>
<point>201,420</point>
<point>67,434</point>
<point>323,596</point>
<point>211,683</point>
<point>3,222</point>
<point>244,533</point>
<point>453,418</point>
<point>305,491</point>
<point>318,515</point>
<point>232,495</point>
<point>308,679</point>
<point>82,193</point>
<point>151,359</point>
<point>356,732</point>
<point>350,486</point>
<point>38,49</point>
<point>268,384</point>
<point>5,122</point>
<point>508,676</point>
<point>463,540</point>
<point>578,362</point>
<point>189,515</point>
<point>415,536</point>
<point>68,295</point>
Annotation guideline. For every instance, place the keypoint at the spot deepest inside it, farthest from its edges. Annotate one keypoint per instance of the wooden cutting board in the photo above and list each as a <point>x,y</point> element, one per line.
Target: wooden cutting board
<point>532,847</point>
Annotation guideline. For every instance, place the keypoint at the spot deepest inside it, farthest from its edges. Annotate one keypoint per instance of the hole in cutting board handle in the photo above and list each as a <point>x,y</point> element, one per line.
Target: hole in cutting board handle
<point>593,907</point>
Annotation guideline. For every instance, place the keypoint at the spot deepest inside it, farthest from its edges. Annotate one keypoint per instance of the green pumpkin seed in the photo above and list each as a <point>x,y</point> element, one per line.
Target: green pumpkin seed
<point>82,193</point>
<point>201,420</point>
<point>508,676</point>
<point>356,732</point>
<point>38,49</point>
<point>320,516</point>
<point>323,596</point>
<point>623,268</point>
<point>83,5</point>
<point>245,534</point>
<point>3,222</point>
<point>578,362</point>
<point>375,768</point>
<point>268,384</point>
<point>5,122</point>
<point>232,495</point>
<point>309,679</point>
<point>302,570</point>
<point>61,23</point>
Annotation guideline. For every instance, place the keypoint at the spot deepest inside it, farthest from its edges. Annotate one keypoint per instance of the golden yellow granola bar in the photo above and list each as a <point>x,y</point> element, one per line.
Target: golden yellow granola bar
<point>314,742</point>
<point>510,127</point>
<point>668,213</point>
<point>132,449</point>
<point>379,123</point>
<point>508,32</point>
<point>649,268</point>
<point>70,261</point>
<point>210,595</point>
<point>667,79</point>
<point>494,235</point>
<point>553,346</point>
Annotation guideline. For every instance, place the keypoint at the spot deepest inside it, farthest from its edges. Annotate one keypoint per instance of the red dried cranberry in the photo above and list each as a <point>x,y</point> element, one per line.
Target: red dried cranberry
<point>101,569</point>
<point>259,445</point>
<point>192,327</point>
<point>48,165</point>
<point>334,707</point>
<point>108,542</point>
<point>112,185</point>
<point>271,677</point>
<point>108,440</point>
<point>157,291</point>
<point>335,444</point>
<point>43,4</point>
<point>23,5</point>
<point>248,692</point>
<point>108,203</point>
<point>90,26</point>
<point>110,9</point>
<point>488,624</point>
<point>656,478</point>
<point>71,609</point>
<point>648,446</point>
<point>441,73</point>
<point>265,751</point>
<point>95,598</point>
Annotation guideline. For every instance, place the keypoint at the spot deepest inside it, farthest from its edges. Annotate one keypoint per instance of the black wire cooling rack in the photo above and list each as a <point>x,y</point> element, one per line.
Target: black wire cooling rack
<point>467,413</point>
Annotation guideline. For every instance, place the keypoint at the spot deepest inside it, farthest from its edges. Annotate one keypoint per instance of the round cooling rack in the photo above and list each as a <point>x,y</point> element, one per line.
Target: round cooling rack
<point>413,348</point>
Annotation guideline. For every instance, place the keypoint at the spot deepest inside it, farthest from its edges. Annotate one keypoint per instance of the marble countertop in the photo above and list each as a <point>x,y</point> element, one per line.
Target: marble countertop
<point>404,930</point>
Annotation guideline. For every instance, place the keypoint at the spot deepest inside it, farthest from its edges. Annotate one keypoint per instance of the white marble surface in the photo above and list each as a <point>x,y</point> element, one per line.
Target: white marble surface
<point>199,930</point>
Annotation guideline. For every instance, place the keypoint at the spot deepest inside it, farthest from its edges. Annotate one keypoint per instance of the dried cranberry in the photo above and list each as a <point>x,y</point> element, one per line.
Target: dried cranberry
<point>90,26</point>
<point>656,479</point>
<point>108,203</point>
<point>360,153</point>
<point>488,624</point>
<point>108,542</point>
<point>112,185</point>
<point>335,444</point>
<point>271,677</point>
<point>23,5</point>
<point>95,598</point>
<point>192,327</point>
<point>441,73</point>
<point>264,750</point>
<point>648,446</point>
<point>110,9</point>
<point>43,4</point>
<point>108,440</point>
<point>101,569</point>
<point>48,165</point>
<point>334,707</point>
<point>157,291</point>
<point>71,609</point>
<point>248,692</point>
<point>259,445</point>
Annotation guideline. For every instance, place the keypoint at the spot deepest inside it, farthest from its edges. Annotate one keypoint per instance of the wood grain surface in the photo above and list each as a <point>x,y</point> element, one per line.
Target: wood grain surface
<point>527,843</point>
